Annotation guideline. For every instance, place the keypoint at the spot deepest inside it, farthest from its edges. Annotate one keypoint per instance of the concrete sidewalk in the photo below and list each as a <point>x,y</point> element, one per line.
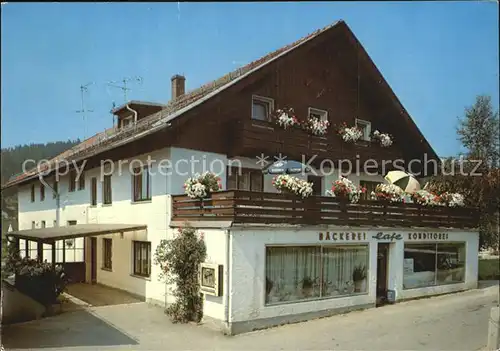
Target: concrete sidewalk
<point>451,322</point>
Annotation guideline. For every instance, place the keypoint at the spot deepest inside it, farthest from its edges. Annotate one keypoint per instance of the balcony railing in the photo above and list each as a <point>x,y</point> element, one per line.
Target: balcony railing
<point>252,137</point>
<point>241,206</point>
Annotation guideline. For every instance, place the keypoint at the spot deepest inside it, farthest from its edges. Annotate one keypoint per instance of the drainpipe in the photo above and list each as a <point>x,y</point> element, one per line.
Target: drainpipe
<point>133,111</point>
<point>226,285</point>
<point>58,202</point>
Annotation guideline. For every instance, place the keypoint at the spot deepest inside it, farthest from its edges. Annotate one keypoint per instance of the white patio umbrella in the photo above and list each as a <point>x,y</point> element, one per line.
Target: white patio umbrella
<point>405,181</point>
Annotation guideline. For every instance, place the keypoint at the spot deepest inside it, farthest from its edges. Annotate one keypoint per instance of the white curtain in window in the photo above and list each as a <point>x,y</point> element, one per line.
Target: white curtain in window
<point>287,267</point>
<point>338,267</point>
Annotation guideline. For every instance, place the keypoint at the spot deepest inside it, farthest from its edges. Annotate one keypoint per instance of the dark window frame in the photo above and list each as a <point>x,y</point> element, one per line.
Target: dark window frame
<point>93,191</point>
<point>42,192</point>
<point>140,270</point>
<point>81,181</point>
<point>107,254</point>
<point>250,172</point>
<point>55,186</point>
<point>137,189</point>
<point>72,181</point>
<point>32,192</point>
<point>107,195</point>
<point>371,187</point>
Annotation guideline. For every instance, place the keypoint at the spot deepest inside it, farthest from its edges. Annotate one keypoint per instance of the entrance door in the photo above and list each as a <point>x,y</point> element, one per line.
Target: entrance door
<point>317,184</point>
<point>93,260</point>
<point>382,260</point>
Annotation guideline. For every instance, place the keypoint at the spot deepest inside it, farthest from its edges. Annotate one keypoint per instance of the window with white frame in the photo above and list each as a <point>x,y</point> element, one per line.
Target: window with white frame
<point>317,113</point>
<point>295,273</point>
<point>262,108</point>
<point>365,127</point>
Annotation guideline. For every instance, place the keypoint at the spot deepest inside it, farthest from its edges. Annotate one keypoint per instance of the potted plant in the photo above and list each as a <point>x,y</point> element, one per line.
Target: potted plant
<point>286,118</point>
<point>285,183</point>
<point>269,286</point>
<point>452,199</point>
<point>349,134</point>
<point>316,126</point>
<point>344,189</point>
<point>202,185</point>
<point>358,276</point>
<point>384,138</point>
<point>307,287</point>
<point>388,193</point>
<point>426,198</point>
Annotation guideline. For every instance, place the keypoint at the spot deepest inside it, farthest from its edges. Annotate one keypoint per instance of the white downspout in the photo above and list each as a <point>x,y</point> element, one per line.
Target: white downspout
<point>133,111</point>
<point>227,287</point>
<point>58,202</point>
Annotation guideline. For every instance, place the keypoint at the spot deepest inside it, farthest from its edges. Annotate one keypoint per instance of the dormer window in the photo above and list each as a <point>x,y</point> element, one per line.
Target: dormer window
<point>318,114</point>
<point>365,127</point>
<point>262,108</point>
<point>126,122</point>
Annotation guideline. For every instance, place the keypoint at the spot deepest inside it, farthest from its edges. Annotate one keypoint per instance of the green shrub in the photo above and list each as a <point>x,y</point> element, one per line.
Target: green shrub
<point>489,269</point>
<point>179,260</point>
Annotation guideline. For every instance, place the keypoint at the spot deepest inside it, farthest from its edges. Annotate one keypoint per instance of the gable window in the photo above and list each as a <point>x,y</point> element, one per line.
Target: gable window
<point>369,186</point>
<point>93,191</point>
<point>32,192</point>
<point>141,179</point>
<point>365,128</point>
<point>55,186</point>
<point>106,190</point>
<point>72,181</point>
<point>42,192</point>
<point>107,251</point>
<point>318,114</point>
<point>81,181</point>
<point>245,179</point>
<point>262,108</point>
<point>142,258</point>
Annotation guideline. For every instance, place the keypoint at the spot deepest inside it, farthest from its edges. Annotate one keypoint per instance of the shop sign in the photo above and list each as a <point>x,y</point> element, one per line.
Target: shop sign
<point>408,265</point>
<point>427,236</point>
<point>387,236</point>
<point>344,236</point>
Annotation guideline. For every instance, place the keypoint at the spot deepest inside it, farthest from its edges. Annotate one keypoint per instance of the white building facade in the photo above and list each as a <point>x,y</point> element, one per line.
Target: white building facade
<point>272,274</point>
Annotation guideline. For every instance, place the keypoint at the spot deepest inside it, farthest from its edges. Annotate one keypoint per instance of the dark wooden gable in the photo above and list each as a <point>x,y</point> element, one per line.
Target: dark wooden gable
<point>330,72</point>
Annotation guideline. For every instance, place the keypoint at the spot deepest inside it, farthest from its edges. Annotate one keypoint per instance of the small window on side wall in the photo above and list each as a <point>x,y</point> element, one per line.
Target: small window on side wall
<point>262,108</point>
<point>318,114</point>
<point>365,127</point>
<point>32,192</point>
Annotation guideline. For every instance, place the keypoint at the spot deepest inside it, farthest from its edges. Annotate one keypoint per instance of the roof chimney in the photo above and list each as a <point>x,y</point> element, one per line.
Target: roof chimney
<point>178,86</point>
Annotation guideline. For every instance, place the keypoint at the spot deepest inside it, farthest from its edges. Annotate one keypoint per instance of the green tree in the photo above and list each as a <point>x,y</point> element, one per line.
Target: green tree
<point>476,174</point>
<point>478,132</point>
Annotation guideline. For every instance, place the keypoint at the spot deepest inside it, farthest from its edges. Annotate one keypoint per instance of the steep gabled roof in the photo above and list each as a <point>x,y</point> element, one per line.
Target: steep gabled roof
<point>111,138</point>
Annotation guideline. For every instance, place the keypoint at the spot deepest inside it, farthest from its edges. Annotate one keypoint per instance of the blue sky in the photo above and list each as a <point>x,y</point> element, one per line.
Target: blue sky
<point>436,56</point>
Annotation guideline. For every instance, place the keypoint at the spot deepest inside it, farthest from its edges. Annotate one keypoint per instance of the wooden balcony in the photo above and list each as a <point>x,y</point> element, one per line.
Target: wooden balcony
<point>241,207</point>
<point>253,137</point>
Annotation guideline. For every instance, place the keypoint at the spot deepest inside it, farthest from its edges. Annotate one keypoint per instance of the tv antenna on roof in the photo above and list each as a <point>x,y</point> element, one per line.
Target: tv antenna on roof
<point>124,86</point>
<point>84,89</point>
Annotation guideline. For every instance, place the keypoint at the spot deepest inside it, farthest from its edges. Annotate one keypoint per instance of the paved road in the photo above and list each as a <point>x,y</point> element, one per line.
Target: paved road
<point>451,322</point>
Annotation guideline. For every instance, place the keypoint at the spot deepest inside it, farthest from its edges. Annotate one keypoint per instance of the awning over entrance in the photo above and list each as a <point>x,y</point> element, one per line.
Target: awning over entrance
<point>49,235</point>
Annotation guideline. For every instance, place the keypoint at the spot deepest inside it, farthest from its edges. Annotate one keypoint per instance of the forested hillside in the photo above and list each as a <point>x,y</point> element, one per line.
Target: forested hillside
<point>12,161</point>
